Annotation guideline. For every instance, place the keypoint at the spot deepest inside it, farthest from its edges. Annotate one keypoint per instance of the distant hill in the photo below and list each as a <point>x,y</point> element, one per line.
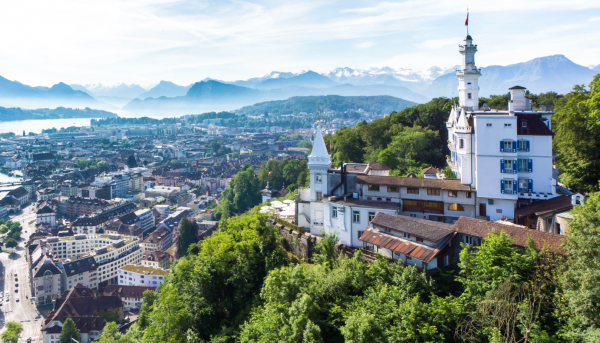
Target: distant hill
<point>121,90</point>
<point>596,68</point>
<point>165,88</point>
<point>308,79</point>
<point>311,104</point>
<point>16,94</point>
<point>15,113</point>
<point>217,96</point>
<point>552,73</point>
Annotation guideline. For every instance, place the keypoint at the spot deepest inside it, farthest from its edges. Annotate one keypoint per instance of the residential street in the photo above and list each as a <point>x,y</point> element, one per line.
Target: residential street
<point>23,311</point>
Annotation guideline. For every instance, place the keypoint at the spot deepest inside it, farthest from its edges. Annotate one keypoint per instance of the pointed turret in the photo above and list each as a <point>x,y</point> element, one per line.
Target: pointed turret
<point>319,154</point>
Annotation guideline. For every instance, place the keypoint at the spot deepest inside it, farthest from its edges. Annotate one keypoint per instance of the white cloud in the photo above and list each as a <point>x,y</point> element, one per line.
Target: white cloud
<point>145,41</point>
<point>364,45</point>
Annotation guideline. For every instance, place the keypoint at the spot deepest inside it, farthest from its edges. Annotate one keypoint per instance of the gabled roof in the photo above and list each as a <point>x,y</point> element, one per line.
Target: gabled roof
<point>481,228</point>
<point>378,166</point>
<point>422,228</point>
<point>557,204</point>
<point>45,210</point>
<point>125,291</point>
<point>534,126</point>
<point>430,170</point>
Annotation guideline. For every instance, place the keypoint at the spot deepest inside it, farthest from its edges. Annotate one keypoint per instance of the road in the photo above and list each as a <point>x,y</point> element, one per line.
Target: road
<point>23,311</point>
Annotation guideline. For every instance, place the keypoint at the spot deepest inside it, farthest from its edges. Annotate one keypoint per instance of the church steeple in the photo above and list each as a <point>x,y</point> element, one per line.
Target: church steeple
<point>468,75</point>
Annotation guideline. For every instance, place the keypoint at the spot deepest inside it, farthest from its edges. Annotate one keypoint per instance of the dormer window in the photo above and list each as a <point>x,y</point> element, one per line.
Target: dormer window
<point>524,124</point>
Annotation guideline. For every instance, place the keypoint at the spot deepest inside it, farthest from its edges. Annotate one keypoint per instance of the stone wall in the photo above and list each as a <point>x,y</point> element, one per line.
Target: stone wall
<point>301,244</point>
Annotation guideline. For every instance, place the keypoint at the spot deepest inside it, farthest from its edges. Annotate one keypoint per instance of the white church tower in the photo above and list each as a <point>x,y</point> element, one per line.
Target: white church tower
<point>468,75</point>
<point>309,205</point>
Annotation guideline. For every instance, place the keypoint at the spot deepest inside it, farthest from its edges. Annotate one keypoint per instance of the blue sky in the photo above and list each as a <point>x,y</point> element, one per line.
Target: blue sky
<point>145,41</point>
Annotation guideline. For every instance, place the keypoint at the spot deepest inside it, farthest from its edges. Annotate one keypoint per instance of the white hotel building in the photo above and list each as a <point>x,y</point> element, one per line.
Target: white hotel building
<point>502,159</point>
<point>505,155</point>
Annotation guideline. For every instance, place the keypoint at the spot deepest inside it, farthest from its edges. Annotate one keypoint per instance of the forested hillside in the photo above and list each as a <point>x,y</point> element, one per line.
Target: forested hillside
<point>311,104</point>
<point>241,286</point>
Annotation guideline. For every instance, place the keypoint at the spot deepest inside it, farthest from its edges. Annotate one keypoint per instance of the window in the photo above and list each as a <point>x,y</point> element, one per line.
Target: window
<point>498,210</point>
<point>373,187</point>
<point>371,216</point>
<point>446,260</point>
<point>455,207</point>
<point>524,123</point>
<point>318,178</point>
<point>468,95</point>
<point>319,195</point>
<point>461,143</point>
<point>433,192</point>
<point>507,146</point>
<point>356,216</point>
<point>507,125</point>
<point>334,212</point>
<point>393,189</point>
<point>523,183</point>
<point>472,241</point>
<point>360,233</point>
<point>413,215</point>
<point>408,258</point>
<point>452,194</point>
<point>523,145</point>
<point>488,125</point>
<point>419,239</point>
<point>508,186</point>
<point>508,166</point>
<point>412,190</point>
<point>468,194</point>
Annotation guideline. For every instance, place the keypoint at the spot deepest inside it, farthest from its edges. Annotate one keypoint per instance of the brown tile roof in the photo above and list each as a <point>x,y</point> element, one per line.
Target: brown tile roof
<point>123,291</point>
<point>481,228</point>
<point>430,170</point>
<point>422,228</point>
<point>401,246</point>
<point>558,204</point>
<point>453,185</point>
<point>378,166</point>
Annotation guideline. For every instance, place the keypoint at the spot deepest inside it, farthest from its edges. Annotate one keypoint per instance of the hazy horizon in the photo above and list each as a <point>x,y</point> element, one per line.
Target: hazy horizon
<point>144,42</point>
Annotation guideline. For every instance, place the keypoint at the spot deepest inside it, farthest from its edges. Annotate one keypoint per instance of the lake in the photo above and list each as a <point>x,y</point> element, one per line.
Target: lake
<point>6,178</point>
<point>37,125</point>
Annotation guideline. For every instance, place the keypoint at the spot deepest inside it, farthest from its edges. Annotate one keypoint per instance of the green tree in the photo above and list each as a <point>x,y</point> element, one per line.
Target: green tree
<point>580,282</point>
<point>82,164</point>
<point>110,334</point>
<point>186,236</point>
<point>69,331</point>
<point>12,332</point>
<point>449,173</point>
<point>131,162</point>
<point>244,186</point>
<point>101,164</point>
<point>577,127</point>
<point>11,243</point>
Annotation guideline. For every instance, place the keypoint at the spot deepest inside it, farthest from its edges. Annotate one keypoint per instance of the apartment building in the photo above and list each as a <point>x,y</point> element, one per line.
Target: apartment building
<point>109,252</point>
<point>156,259</point>
<point>133,275</point>
<point>131,296</point>
<point>159,240</point>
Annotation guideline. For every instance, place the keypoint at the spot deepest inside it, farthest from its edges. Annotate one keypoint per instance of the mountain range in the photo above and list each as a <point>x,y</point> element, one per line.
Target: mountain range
<point>551,73</point>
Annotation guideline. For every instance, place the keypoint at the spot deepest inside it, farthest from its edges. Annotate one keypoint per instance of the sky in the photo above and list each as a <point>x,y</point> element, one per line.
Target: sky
<point>146,41</point>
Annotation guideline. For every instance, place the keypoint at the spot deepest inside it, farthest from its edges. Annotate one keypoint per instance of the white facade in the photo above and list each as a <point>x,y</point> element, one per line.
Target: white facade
<point>146,219</point>
<point>350,221</point>
<point>318,164</point>
<point>505,155</point>
<point>141,276</point>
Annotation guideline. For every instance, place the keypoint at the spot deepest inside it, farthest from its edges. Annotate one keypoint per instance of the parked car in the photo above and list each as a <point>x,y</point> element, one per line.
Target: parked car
<point>17,299</point>
<point>16,285</point>
<point>16,290</point>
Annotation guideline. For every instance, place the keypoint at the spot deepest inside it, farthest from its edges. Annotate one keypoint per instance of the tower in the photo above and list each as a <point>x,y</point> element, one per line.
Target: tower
<point>468,76</point>
<point>318,164</point>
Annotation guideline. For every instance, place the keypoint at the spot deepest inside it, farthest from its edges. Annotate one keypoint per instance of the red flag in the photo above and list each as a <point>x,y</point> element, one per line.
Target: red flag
<point>467,21</point>
<point>269,173</point>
